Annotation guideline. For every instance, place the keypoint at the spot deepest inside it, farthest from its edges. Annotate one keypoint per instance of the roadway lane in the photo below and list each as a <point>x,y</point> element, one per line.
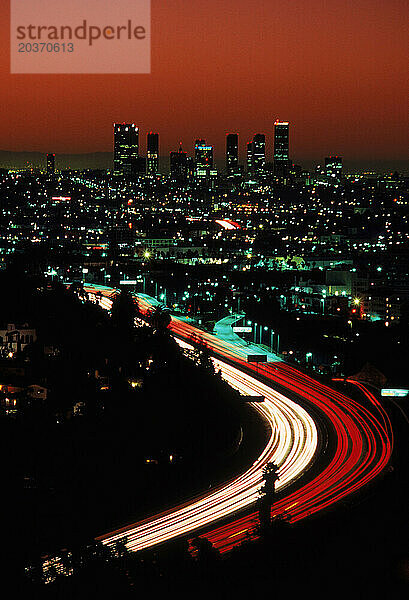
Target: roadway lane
<point>364,442</point>
<point>223,330</point>
<point>292,445</point>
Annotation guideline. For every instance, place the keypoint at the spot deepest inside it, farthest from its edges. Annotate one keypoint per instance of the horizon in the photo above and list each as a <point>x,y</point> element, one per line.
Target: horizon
<point>333,69</point>
<point>104,159</point>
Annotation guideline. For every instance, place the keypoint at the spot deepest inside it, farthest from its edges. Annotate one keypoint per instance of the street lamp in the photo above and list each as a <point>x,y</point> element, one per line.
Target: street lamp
<point>273,333</point>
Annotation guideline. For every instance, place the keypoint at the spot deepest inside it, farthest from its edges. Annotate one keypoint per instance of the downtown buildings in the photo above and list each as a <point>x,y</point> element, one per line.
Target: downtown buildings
<point>152,153</point>
<point>281,147</point>
<point>126,148</point>
<point>201,166</point>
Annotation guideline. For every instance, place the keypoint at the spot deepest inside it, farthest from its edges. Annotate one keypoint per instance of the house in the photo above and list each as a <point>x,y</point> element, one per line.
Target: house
<point>36,392</point>
<point>14,338</point>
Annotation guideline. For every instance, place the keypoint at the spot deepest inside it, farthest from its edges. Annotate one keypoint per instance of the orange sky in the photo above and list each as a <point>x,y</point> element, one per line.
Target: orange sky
<point>337,70</point>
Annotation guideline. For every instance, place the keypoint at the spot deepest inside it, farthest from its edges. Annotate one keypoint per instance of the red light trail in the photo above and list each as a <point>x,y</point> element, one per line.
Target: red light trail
<point>364,439</point>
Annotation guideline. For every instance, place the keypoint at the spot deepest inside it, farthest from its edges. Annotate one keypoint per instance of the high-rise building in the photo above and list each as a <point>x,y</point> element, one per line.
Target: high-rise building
<point>139,166</point>
<point>190,168</point>
<point>232,154</point>
<point>50,164</point>
<point>203,161</point>
<point>281,147</point>
<point>199,143</point>
<point>250,158</point>
<point>178,165</point>
<point>152,153</point>
<point>333,167</point>
<point>126,148</point>
<point>259,153</point>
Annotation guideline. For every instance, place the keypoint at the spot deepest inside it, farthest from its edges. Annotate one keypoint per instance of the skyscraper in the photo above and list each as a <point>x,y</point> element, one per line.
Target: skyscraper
<point>281,147</point>
<point>333,167</point>
<point>203,160</point>
<point>126,148</point>
<point>250,158</point>
<point>259,153</point>
<point>232,154</point>
<point>178,165</point>
<point>152,153</point>
<point>50,164</point>
<point>199,143</point>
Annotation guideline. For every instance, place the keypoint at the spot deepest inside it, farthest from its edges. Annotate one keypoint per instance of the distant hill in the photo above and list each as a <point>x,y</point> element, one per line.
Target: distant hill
<point>103,160</point>
<point>19,160</point>
<point>94,160</point>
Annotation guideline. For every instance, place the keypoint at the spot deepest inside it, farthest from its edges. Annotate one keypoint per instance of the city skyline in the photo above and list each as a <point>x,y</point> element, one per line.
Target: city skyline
<point>335,73</point>
<point>204,325</point>
<point>153,158</point>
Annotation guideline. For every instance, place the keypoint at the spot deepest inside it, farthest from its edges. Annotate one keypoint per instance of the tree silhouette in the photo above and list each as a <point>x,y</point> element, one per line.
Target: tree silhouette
<point>206,553</point>
<point>203,357</point>
<point>123,314</point>
<point>160,319</point>
<point>267,493</point>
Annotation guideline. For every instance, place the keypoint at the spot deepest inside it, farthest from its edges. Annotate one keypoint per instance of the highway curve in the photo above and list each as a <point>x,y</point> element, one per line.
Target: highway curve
<point>362,449</point>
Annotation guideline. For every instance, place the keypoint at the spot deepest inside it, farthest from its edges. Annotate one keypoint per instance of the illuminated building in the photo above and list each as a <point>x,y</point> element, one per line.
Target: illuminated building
<point>232,154</point>
<point>152,153</point>
<point>203,161</point>
<point>333,167</point>
<point>281,147</point>
<point>190,168</point>
<point>126,148</point>
<point>178,165</point>
<point>250,157</point>
<point>259,153</point>
<point>50,164</point>
<point>199,142</point>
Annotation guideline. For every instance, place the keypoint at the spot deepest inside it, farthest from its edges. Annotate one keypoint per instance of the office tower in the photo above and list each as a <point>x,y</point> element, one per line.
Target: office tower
<point>259,153</point>
<point>203,161</point>
<point>190,163</point>
<point>232,154</point>
<point>281,147</point>
<point>152,153</point>
<point>126,148</point>
<point>50,164</point>
<point>139,166</point>
<point>198,143</point>
<point>333,167</point>
<point>250,157</point>
<point>178,165</point>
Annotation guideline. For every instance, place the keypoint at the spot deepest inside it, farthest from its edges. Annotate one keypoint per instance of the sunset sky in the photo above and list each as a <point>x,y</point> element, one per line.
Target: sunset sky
<point>336,69</point>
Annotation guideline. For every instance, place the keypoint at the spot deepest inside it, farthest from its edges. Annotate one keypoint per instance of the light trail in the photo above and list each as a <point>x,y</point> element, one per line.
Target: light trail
<point>291,446</point>
<point>364,442</point>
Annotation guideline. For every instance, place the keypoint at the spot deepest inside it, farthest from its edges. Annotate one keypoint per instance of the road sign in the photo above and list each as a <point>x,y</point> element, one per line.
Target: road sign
<point>242,329</point>
<point>397,393</point>
<point>257,358</point>
<point>128,282</point>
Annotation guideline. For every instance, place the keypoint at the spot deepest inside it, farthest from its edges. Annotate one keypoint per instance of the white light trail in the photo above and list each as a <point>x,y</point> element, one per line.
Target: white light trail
<point>291,446</point>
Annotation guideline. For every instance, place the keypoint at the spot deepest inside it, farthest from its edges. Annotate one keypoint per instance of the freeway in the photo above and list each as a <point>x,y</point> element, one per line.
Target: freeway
<point>362,449</point>
<point>223,330</point>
